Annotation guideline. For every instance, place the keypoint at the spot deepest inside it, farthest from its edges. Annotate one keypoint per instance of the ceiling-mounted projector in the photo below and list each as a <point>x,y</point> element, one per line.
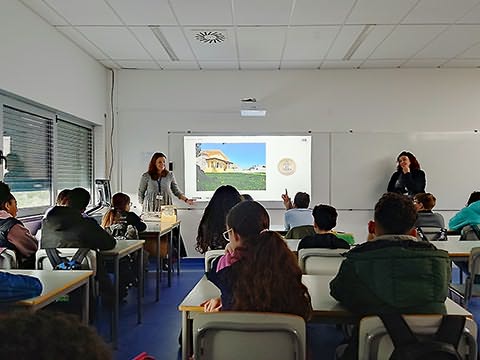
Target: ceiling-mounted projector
<point>250,107</point>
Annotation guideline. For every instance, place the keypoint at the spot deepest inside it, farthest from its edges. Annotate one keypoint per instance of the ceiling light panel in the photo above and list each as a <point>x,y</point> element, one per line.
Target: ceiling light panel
<point>85,12</point>
<point>379,11</point>
<point>261,43</point>
<point>309,43</point>
<point>452,42</point>
<point>321,12</point>
<point>203,13</point>
<point>81,42</point>
<point>175,38</point>
<point>150,42</point>
<point>144,12</point>
<point>439,11</point>
<point>117,42</point>
<point>374,38</point>
<point>344,41</point>
<point>406,40</point>
<point>45,12</point>
<point>265,12</point>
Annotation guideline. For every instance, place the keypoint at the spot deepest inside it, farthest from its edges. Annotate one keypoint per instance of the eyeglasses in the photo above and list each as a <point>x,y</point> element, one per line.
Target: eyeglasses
<point>225,234</point>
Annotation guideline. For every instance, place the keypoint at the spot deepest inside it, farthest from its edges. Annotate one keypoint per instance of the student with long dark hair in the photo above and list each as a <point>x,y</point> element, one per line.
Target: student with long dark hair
<point>409,179</point>
<point>261,274</point>
<point>212,224</point>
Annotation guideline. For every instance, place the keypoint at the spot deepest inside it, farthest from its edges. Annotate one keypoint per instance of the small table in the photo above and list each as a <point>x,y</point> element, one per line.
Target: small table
<point>458,250</point>
<point>122,249</point>
<point>55,285</point>
<point>163,228</point>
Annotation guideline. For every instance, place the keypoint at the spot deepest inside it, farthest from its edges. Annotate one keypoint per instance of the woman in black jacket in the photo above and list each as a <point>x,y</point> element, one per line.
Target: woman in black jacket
<point>409,179</point>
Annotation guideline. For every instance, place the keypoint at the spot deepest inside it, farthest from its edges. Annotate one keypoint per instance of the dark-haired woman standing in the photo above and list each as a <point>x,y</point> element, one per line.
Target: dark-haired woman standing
<point>409,179</point>
<point>158,185</point>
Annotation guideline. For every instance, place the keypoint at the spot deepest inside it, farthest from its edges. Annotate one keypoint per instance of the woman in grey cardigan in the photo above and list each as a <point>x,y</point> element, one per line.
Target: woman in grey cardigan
<point>158,185</point>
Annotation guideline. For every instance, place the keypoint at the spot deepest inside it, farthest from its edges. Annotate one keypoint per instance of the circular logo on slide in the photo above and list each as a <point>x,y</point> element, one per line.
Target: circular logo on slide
<point>287,166</point>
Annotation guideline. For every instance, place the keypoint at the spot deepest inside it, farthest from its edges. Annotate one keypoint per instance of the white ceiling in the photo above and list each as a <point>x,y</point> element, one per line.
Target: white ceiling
<point>271,34</point>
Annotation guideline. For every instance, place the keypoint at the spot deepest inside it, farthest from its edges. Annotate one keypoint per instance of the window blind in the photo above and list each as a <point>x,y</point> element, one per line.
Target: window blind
<point>27,145</point>
<point>74,156</point>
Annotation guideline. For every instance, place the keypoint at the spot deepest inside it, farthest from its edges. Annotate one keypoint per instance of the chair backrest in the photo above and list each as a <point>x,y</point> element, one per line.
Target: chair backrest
<point>8,259</point>
<point>315,261</point>
<point>231,335</point>
<point>429,233</point>
<point>299,232</point>
<point>43,263</point>
<point>375,343</point>
<point>210,256</point>
<point>470,232</point>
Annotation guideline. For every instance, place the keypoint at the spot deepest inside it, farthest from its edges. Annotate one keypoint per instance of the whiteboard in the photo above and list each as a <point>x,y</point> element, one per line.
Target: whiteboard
<point>362,164</point>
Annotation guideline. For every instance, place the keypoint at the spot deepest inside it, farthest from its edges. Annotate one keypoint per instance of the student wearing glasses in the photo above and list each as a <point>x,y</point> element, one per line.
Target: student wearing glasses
<point>259,272</point>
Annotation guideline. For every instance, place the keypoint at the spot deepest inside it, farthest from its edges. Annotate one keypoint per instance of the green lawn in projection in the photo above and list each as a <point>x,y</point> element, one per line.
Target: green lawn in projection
<point>242,181</point>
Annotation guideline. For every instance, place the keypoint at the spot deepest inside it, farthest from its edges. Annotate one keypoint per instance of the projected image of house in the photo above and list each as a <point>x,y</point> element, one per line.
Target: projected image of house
<point>238,164</point>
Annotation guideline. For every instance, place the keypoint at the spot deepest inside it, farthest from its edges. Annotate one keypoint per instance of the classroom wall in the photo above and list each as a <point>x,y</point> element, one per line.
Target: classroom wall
<point>37,62</point>
<point>150,104</point>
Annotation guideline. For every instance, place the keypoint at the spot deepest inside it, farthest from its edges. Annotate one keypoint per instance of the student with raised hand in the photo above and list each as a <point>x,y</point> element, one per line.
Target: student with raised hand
<point>469,215</point>
<point>120,214</point>
<point>325,219</point>
<point>424,203</point>
<point>409,179</point>
<point>212,224</point>
<point>14,235</point>
<point>261,273</point>
<point>298,213</point>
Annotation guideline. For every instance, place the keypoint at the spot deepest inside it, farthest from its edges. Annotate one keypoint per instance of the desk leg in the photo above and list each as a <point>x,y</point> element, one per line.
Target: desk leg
<point>170,255</point>
<point>179,252</point>
<point>158,269</point>
<point>187,335</point>
<point>116,273</point>
<point>86,302</point>
<point>140,284</point>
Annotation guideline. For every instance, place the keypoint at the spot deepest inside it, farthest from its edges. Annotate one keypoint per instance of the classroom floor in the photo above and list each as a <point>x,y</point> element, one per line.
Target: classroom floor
<point>158,334</point>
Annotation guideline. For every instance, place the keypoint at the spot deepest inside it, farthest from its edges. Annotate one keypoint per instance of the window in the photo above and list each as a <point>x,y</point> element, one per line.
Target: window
<point>27,146</point>
<point>74,156</point>
<point>45,152</point>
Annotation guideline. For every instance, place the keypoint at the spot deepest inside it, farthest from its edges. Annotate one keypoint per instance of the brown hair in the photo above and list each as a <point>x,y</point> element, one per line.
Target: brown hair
<point>120,201</point>
<point>426,199</point>
<point>414,164</point>
<point>269,278</point>
<point>152,166</point>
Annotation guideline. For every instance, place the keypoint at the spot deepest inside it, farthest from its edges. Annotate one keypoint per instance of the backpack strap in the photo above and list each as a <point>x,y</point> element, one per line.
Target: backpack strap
<point>54,257</point>
<point>62,263</point>
<point>421,234</point>
<point>451,329</point>
<point>476,230</point>
<point>5,227</point>
<point>80,255</point>
<point>398,329</point>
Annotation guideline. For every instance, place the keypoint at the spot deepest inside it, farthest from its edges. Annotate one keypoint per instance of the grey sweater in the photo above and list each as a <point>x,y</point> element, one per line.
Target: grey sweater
<point>148,189</point>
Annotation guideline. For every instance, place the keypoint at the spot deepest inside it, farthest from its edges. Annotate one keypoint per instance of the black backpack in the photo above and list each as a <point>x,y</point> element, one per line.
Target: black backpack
<point>441,346</point>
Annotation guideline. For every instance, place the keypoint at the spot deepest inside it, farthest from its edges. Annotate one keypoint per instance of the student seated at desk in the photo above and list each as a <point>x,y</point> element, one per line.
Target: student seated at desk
<point>298,213</point>
<point>260,273</point>
<point>212,224</point>
<point>325,219</point>
<point>120,221</point>
<point>392,272</point>
<point>469,215</point>
<point>424,203</point>
<point>13,234</point>
<point>48,335</point>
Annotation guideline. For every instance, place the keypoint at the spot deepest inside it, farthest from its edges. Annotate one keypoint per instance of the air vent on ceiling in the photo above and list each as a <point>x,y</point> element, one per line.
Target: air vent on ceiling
<point>210,37</point>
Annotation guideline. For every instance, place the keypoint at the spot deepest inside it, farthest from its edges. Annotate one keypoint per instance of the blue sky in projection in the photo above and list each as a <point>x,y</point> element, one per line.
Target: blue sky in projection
<point>244,155</point>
